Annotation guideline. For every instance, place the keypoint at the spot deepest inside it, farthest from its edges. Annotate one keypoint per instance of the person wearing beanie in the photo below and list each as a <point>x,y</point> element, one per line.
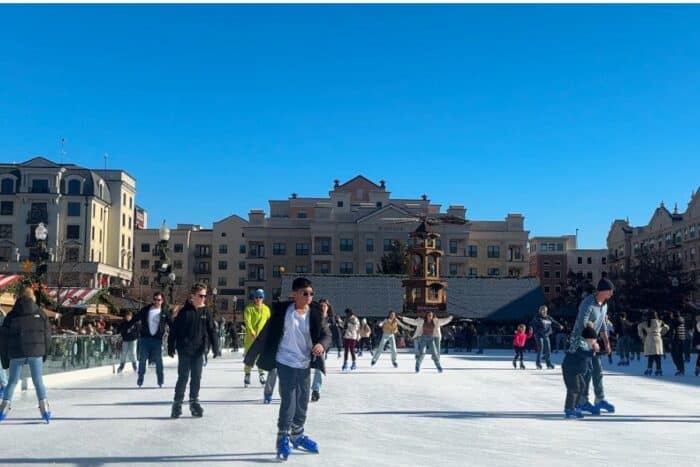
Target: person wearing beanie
<point>255,316</point>
<point>574,369</point>
<point>593,311</point>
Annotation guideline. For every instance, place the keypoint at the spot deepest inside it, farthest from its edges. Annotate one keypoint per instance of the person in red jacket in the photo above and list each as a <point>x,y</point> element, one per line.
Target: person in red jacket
<point>519,340</point>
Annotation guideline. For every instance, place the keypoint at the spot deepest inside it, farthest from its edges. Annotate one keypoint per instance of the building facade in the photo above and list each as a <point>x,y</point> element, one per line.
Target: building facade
<point>349,231</point>
<point>548,259</point>
<point>89,215</point>
<point>587,265</point>
<point>671,239</point>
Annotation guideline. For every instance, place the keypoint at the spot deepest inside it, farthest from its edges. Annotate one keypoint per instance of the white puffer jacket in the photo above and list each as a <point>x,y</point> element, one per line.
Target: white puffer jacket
<point>352,328</point>
<point>418,323</point>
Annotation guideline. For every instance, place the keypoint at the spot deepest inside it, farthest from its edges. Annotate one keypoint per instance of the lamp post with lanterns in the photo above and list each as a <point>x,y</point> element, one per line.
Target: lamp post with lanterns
<point>166,276</point>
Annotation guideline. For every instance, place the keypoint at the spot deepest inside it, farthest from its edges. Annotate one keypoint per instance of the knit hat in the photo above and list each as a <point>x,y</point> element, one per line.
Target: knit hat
<point>588,333</point>
<point>259,293</point>
<point>605,285</point>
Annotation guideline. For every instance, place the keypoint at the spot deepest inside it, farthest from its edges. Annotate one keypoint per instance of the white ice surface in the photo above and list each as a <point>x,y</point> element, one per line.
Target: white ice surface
<point>479,412</point>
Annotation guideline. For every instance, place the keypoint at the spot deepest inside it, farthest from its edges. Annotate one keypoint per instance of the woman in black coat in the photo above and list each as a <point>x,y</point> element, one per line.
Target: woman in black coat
<point>24,339</point>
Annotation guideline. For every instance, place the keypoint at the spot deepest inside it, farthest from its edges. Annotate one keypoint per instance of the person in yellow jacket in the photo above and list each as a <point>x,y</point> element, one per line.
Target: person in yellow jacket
<point>255,315</point>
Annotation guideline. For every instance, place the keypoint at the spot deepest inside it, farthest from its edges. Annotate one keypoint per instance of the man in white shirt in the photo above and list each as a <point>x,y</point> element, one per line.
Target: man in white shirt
<point>153,319</point>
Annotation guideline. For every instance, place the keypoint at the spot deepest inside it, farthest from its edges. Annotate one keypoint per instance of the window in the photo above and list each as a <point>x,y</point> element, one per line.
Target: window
<point>340,204</point>
<point>7,208</point>
<point>92,233</point>
<point>40,186</point>
<point>279,249</point>
<point>453,269</point>
<point>493,251</point>
<point>546,263</point>
<point>241,282</point>
<point>145,247</point>
<point>241,265</point>
<point>473,272</point>
<point>589,276</point>
<point>221,282</point>
<point>276,272</point>
<point>6,231</point>
<point>123,220</point>
<point>379,204</point>
<point>302,249</point>
<point>557,263</point>
<point>131,202</point>
<point>73,232</point>
<point>223,265</point>
<point>589,260</point>
<point>388,244</point>
<point>369,246</point>
<point>302,215</point>
<point>73,209</point>
<point>177,264</point>
<point>8,185</point>
<point>604,260</point>
<point>223,249</point>
<point>323,246</point>
<point>543,247</point>
<point>546,274</point>
<point>557,289</point>
<point>241,249</point>
<point>494,272</point>
<point>546,290</point>
<point>557,274</point>
<point>453,246</point>
<point>74,187</point>
<point>346,244</point>
<point>177,248</point>
<point>580,260</point>
<point>473,251</point>
<point>144,280</point>
<point>324,268</point>
<point>560,247</point>
<point>302,269</point>
<point>72,255</point>
<point>369,268</point>
<point>345,267</point>
<point>145,264</point>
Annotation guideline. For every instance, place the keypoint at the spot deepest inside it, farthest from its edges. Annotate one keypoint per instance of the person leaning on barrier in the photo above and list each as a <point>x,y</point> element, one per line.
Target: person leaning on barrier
<point>25,337</point>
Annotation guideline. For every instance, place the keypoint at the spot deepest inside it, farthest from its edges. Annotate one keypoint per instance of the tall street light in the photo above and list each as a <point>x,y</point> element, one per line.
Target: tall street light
<point>166,276</point>
<point>41,233</point>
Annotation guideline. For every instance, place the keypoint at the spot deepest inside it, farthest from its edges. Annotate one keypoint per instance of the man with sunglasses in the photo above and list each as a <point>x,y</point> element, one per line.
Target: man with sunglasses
<point>293,341</point>
<point>153,319</point>
<point>192,333</point>
<point>255,316</point>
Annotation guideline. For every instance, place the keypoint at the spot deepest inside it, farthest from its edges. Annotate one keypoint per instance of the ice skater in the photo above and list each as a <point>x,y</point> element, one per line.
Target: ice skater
<point>542,328</point>
<point>129,330</point>
<point>255,315</point>
<point>350,336</point>
<point>574,369</point>
<point>153,318</point>
<point>365,337</point>
<point>519,341</point>
<point>427,336</point>
<point>293,341</point>
<point>652,331</point>
<point>593,309</point>
<point>390,326</point>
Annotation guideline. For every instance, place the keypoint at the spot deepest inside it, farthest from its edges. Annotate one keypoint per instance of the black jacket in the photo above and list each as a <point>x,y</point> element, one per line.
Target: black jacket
<point>26,332</point>
<point>193,331</point>
<point>129,330</point>
<point>264,348</point>
<point>166,319</point>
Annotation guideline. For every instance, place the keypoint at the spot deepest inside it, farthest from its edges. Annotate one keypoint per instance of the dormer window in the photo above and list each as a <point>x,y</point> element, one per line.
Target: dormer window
<point>7,186</point>
<point>74,187</point>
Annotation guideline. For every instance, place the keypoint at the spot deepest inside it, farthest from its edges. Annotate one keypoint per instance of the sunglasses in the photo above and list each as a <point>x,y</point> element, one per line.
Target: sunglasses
<point>307,294</point>
<point>202,295</point>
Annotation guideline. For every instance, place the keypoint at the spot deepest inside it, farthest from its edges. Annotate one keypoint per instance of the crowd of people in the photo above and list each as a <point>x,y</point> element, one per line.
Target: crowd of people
<point>290,342</point>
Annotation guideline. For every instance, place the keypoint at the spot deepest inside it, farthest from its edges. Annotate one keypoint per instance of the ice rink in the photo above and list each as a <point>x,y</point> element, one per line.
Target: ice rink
<point>479,412</point>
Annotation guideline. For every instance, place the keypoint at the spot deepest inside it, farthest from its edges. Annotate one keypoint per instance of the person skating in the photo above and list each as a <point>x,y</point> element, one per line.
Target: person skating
<point>335,324</point>
<point>520,338</point>
<point>129,331</point>
<point>25,337</point>
<point>678,342</point>
<point>365,340</point>
<point>192,332</point>
<point>542,328</point>
<point>696,343</point>
<point>626,330</point>
<point>593,309</point>
<point>154,319</point>
<point>652,331</point>
<point>351,334</point>
<point>427,336</point>
<point>293,341</point>
<point>574,369</point>
<point>255,315</point>
<point>390,326</point>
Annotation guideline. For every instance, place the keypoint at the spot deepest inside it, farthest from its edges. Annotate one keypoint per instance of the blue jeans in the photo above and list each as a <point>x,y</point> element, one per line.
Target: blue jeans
<point>596,374</point>
<point>380,348</point>
<point>3,378</point>
<point>543,347</point>
<point>294,385</point>
<point>152,349</point>
<point>317,381</point>
<point>624,343</point>
<point>423,343</point>
<point>36,365</point>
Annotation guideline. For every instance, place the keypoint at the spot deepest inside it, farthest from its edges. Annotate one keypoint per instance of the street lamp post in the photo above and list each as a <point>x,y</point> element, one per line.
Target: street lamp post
<point>165,269</point>
<point>41,233</point>
<point>171,285</point>
<point>214,293</point>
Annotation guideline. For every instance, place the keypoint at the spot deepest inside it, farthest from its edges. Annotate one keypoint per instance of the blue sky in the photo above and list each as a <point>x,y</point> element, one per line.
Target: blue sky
<point>571,115</point>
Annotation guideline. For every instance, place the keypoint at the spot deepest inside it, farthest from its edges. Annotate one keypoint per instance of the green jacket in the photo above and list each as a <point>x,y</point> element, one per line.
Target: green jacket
<point>254,319</point>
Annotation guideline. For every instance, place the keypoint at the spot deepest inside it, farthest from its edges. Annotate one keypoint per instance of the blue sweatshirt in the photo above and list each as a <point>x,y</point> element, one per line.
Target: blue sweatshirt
<point>589,311</point>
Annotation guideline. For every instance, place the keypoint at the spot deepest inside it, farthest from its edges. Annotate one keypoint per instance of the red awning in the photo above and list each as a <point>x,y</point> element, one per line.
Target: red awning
<point>7,280</point>
<point>72,296</point>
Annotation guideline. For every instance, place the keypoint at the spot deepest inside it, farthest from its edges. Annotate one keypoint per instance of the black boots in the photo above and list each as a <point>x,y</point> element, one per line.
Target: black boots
<point>177,410</point>
<point>195,409</point>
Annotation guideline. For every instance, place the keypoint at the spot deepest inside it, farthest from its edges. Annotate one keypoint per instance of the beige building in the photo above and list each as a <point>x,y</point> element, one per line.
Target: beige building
<point>89,215</point>
<point>588,265</point>
<point>549,262</point>
<point>670,238</point>
<point>350,230</point>
<point>212,256</point>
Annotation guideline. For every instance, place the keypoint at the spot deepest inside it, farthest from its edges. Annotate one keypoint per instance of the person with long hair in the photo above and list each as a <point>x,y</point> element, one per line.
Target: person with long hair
<point>351,330</point>
<point>25,337</point>
<point>427,336</point>
<point>519,340</point>
<point>390,326</point>
<point>652,331</point>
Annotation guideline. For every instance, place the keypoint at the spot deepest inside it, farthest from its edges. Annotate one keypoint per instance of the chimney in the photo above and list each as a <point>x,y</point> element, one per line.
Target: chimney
<point>457,210</point>
<point>256,217</point>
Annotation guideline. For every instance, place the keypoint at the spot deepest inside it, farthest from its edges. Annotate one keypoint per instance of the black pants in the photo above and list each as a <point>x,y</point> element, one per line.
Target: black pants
<point>518,353</point>
<point>654,358</point>
<point>188,367</point>
<point>294,387</point>
<point>575,384</point>
<point>677,347</point>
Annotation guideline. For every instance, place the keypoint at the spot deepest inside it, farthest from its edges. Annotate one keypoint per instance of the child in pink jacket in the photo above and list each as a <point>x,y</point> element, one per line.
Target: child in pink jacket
<point>519,340</point>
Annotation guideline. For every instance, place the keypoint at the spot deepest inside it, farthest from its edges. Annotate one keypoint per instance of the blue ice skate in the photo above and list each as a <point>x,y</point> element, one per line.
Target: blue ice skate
<point>304,442</point>
<point>353,366</point>
<point>605,405</point>
<point>45,410</point>
<point>588,407</point>
<point>283,448</point>
<point>573,413</point>
<point>267,399</point>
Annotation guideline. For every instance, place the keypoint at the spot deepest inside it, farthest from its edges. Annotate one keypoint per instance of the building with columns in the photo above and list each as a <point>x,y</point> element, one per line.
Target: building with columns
<point>89,215</point>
